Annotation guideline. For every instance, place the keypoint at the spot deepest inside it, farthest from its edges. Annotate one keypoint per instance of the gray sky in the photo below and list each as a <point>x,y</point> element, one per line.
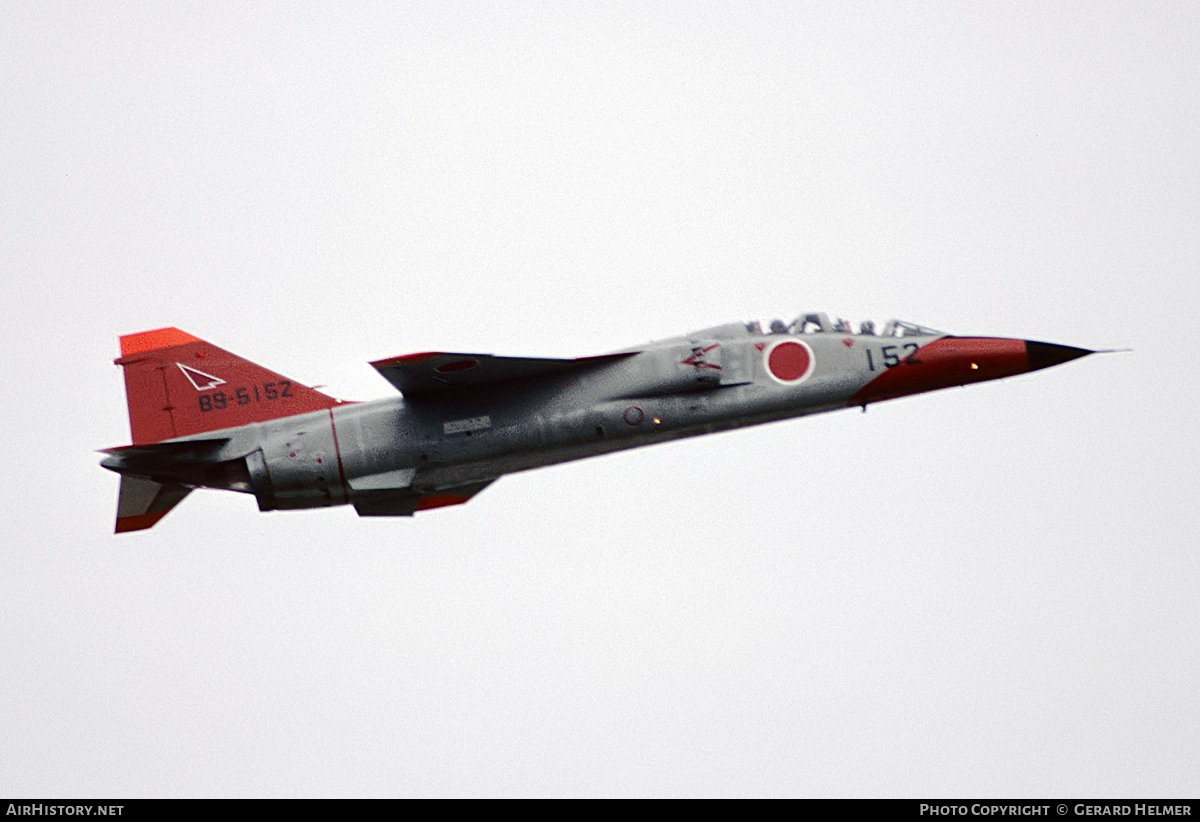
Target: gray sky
<point>990,591</point>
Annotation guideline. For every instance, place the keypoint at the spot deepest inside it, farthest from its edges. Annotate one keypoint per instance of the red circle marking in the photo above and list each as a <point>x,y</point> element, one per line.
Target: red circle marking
<point>788,361</point>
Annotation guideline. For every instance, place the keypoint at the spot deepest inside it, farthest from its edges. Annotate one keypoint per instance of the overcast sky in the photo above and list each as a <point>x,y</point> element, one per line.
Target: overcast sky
<point>989,591</point>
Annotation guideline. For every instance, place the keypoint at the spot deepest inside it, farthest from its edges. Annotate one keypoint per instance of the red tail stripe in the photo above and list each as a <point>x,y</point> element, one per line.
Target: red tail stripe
<point>154,340</point>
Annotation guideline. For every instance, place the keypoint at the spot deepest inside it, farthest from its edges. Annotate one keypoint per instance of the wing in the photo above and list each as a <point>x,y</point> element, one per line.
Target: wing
<point>436,372</point>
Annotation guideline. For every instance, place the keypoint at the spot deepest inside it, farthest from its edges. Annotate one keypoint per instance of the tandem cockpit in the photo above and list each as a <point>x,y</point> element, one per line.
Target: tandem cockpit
<point>818,322</point>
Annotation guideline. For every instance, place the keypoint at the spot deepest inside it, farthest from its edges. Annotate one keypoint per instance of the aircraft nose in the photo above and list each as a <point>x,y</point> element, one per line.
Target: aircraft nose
<point>1043,355</point>
<point>951,361</point>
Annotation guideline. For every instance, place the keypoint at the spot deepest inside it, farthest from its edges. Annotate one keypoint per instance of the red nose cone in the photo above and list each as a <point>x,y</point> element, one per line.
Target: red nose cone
<point>952,361</point>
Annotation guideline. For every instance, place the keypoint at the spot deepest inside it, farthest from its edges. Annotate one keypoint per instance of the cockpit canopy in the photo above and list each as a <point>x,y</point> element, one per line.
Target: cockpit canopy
<point>819,323</point>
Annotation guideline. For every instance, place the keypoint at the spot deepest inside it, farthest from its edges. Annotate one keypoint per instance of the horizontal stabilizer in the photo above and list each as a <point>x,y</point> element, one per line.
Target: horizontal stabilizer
<point>167,452</point>
<point>142,502</point>
<point>435,372</point>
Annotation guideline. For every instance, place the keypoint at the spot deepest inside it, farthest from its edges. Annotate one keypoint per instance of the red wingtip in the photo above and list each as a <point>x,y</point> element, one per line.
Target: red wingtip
<point>154,340</point>
<point>406,359</point>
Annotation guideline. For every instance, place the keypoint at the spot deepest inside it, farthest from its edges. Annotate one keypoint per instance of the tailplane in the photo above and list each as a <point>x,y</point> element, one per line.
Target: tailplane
<point>143,502</point>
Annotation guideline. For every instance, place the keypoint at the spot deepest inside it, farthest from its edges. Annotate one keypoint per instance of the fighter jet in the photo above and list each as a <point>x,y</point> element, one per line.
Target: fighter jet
<point>202,417</point>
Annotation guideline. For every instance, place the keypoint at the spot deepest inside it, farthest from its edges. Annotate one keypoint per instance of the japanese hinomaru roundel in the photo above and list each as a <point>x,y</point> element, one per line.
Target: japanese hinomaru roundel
<point>201,417</point>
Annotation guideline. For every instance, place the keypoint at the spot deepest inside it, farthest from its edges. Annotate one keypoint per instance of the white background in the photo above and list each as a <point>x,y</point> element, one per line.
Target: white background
<point>989,591</point>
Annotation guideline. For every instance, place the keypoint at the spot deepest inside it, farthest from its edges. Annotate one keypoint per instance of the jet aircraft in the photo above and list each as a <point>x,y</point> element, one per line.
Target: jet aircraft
<point>201,417</point>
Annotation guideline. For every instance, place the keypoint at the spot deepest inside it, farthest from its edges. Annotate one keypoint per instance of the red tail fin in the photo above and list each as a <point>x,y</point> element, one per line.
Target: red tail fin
<point>177,385</point>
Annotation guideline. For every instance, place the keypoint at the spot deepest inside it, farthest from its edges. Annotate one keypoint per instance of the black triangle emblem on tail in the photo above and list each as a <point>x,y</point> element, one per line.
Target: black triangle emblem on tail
<point>199,380</point>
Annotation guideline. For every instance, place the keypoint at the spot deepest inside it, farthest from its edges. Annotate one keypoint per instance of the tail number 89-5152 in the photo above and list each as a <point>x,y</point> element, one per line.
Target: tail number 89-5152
<point>244,396</point>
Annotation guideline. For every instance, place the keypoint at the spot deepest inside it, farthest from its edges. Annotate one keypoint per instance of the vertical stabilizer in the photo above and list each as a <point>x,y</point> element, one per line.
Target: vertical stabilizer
<point>178,385</point>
